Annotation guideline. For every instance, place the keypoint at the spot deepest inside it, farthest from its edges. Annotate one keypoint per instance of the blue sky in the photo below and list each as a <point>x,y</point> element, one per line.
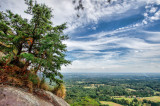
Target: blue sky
<point>123,36</point>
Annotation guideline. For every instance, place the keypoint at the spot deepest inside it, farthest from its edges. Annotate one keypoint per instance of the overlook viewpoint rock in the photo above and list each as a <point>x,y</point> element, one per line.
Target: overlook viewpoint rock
<point>11,96</point>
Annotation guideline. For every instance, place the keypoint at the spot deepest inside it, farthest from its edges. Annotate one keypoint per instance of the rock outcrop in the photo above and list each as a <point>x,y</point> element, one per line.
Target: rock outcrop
<point>11,96</point>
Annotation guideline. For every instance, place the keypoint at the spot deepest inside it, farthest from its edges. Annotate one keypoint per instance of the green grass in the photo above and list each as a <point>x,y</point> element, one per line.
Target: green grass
<point>156,92</point>
<point>152,98</point>
<point>145,104</point>
<point>80,82</point>
<point>109,103</point>
<point>89,87</point>
<point>129,89</point>
<point>129,99</point>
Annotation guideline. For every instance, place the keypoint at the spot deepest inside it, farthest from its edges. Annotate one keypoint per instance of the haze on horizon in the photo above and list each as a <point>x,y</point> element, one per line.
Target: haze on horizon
<point>123,36</point>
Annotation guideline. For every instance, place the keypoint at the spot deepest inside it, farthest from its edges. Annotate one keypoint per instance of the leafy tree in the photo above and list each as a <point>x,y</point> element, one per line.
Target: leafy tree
<point>135,100</point>
<point>33,44</point>
<point>86,101</point>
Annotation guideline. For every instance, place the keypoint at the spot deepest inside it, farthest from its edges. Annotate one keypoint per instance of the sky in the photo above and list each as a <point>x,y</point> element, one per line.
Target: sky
<point>122,36</point>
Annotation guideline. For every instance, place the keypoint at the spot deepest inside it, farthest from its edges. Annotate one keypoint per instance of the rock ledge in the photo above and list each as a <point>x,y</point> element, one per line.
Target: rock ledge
<point>11,96</point>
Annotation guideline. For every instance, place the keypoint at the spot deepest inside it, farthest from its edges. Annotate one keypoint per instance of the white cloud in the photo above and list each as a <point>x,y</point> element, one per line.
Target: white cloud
<point>153,10</point>
<point>116,31</point>
<point>96,10</point>
<point>62,10</point>
<point>104,43</point>
<point>132,63</point>
<point>141,56</point>
<point>145,14</point>
<point>153,36</point>
<point>93,12</point>
<point>99,44</point>
<point>156,16</point>
<point>144,22</point>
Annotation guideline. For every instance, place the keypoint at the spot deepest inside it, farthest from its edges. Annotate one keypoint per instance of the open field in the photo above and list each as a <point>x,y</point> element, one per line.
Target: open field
<point>92,86</point>
<point>89,87</point>
<point>129,99</point>
<point>131,90</point>
<point>156,92</point>
<point>110,103</point>
<point>153,98</point>
<point>145,104</point>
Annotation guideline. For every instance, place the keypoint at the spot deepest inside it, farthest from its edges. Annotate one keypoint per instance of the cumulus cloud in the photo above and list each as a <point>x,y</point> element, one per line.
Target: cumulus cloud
<point>152,12</point>
<point>156,16</point>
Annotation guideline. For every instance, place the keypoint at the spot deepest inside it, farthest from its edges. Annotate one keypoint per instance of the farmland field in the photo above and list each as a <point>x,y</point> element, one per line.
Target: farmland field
<point>153,98</point>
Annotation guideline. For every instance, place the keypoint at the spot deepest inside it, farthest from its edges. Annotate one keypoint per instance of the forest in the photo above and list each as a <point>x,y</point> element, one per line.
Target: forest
<point>124,89</point>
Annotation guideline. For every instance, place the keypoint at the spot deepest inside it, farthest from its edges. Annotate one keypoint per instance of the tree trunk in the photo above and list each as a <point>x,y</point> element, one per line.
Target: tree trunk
<point>37,69</point>
<point>25,66</point>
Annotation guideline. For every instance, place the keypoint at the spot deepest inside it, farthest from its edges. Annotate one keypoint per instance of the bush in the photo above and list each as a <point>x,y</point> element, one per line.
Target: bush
<point>60,91</point>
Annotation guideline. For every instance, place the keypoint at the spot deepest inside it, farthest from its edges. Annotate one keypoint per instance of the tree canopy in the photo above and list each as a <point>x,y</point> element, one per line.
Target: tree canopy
<point>33,44</point>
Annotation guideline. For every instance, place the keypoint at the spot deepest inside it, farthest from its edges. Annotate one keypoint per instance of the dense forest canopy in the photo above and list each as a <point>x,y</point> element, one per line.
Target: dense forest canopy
<point>136,89</point>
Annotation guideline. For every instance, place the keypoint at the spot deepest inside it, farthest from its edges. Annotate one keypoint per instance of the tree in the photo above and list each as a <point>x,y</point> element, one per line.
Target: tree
<point>33,44</point>
<point>86,101</point>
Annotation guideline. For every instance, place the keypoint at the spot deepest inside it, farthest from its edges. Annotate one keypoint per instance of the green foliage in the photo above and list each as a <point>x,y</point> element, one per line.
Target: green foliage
<point>86,101</point>
<point>35,42</point>
<point>32,77</point>
<point>60,90</point>
<point>134,91</point>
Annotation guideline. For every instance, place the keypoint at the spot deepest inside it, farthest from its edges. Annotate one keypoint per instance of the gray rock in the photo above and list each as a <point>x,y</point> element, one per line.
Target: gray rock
<point>11,96</point>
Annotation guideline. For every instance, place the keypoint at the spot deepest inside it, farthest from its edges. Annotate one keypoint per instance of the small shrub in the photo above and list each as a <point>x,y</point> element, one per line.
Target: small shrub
<point>14,81</point>
<point>60,91</point>
<point>44,85</point>
<point>34,79</point>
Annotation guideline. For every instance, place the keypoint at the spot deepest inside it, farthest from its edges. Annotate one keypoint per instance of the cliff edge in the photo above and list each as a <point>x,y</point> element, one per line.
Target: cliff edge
<point>11,96</point>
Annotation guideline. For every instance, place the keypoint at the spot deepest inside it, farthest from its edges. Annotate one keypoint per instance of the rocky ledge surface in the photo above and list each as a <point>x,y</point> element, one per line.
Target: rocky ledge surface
<point>11,96</point>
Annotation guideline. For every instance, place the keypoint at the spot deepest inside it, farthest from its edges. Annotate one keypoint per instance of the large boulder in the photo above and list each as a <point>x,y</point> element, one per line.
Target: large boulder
<point>11,96</point>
